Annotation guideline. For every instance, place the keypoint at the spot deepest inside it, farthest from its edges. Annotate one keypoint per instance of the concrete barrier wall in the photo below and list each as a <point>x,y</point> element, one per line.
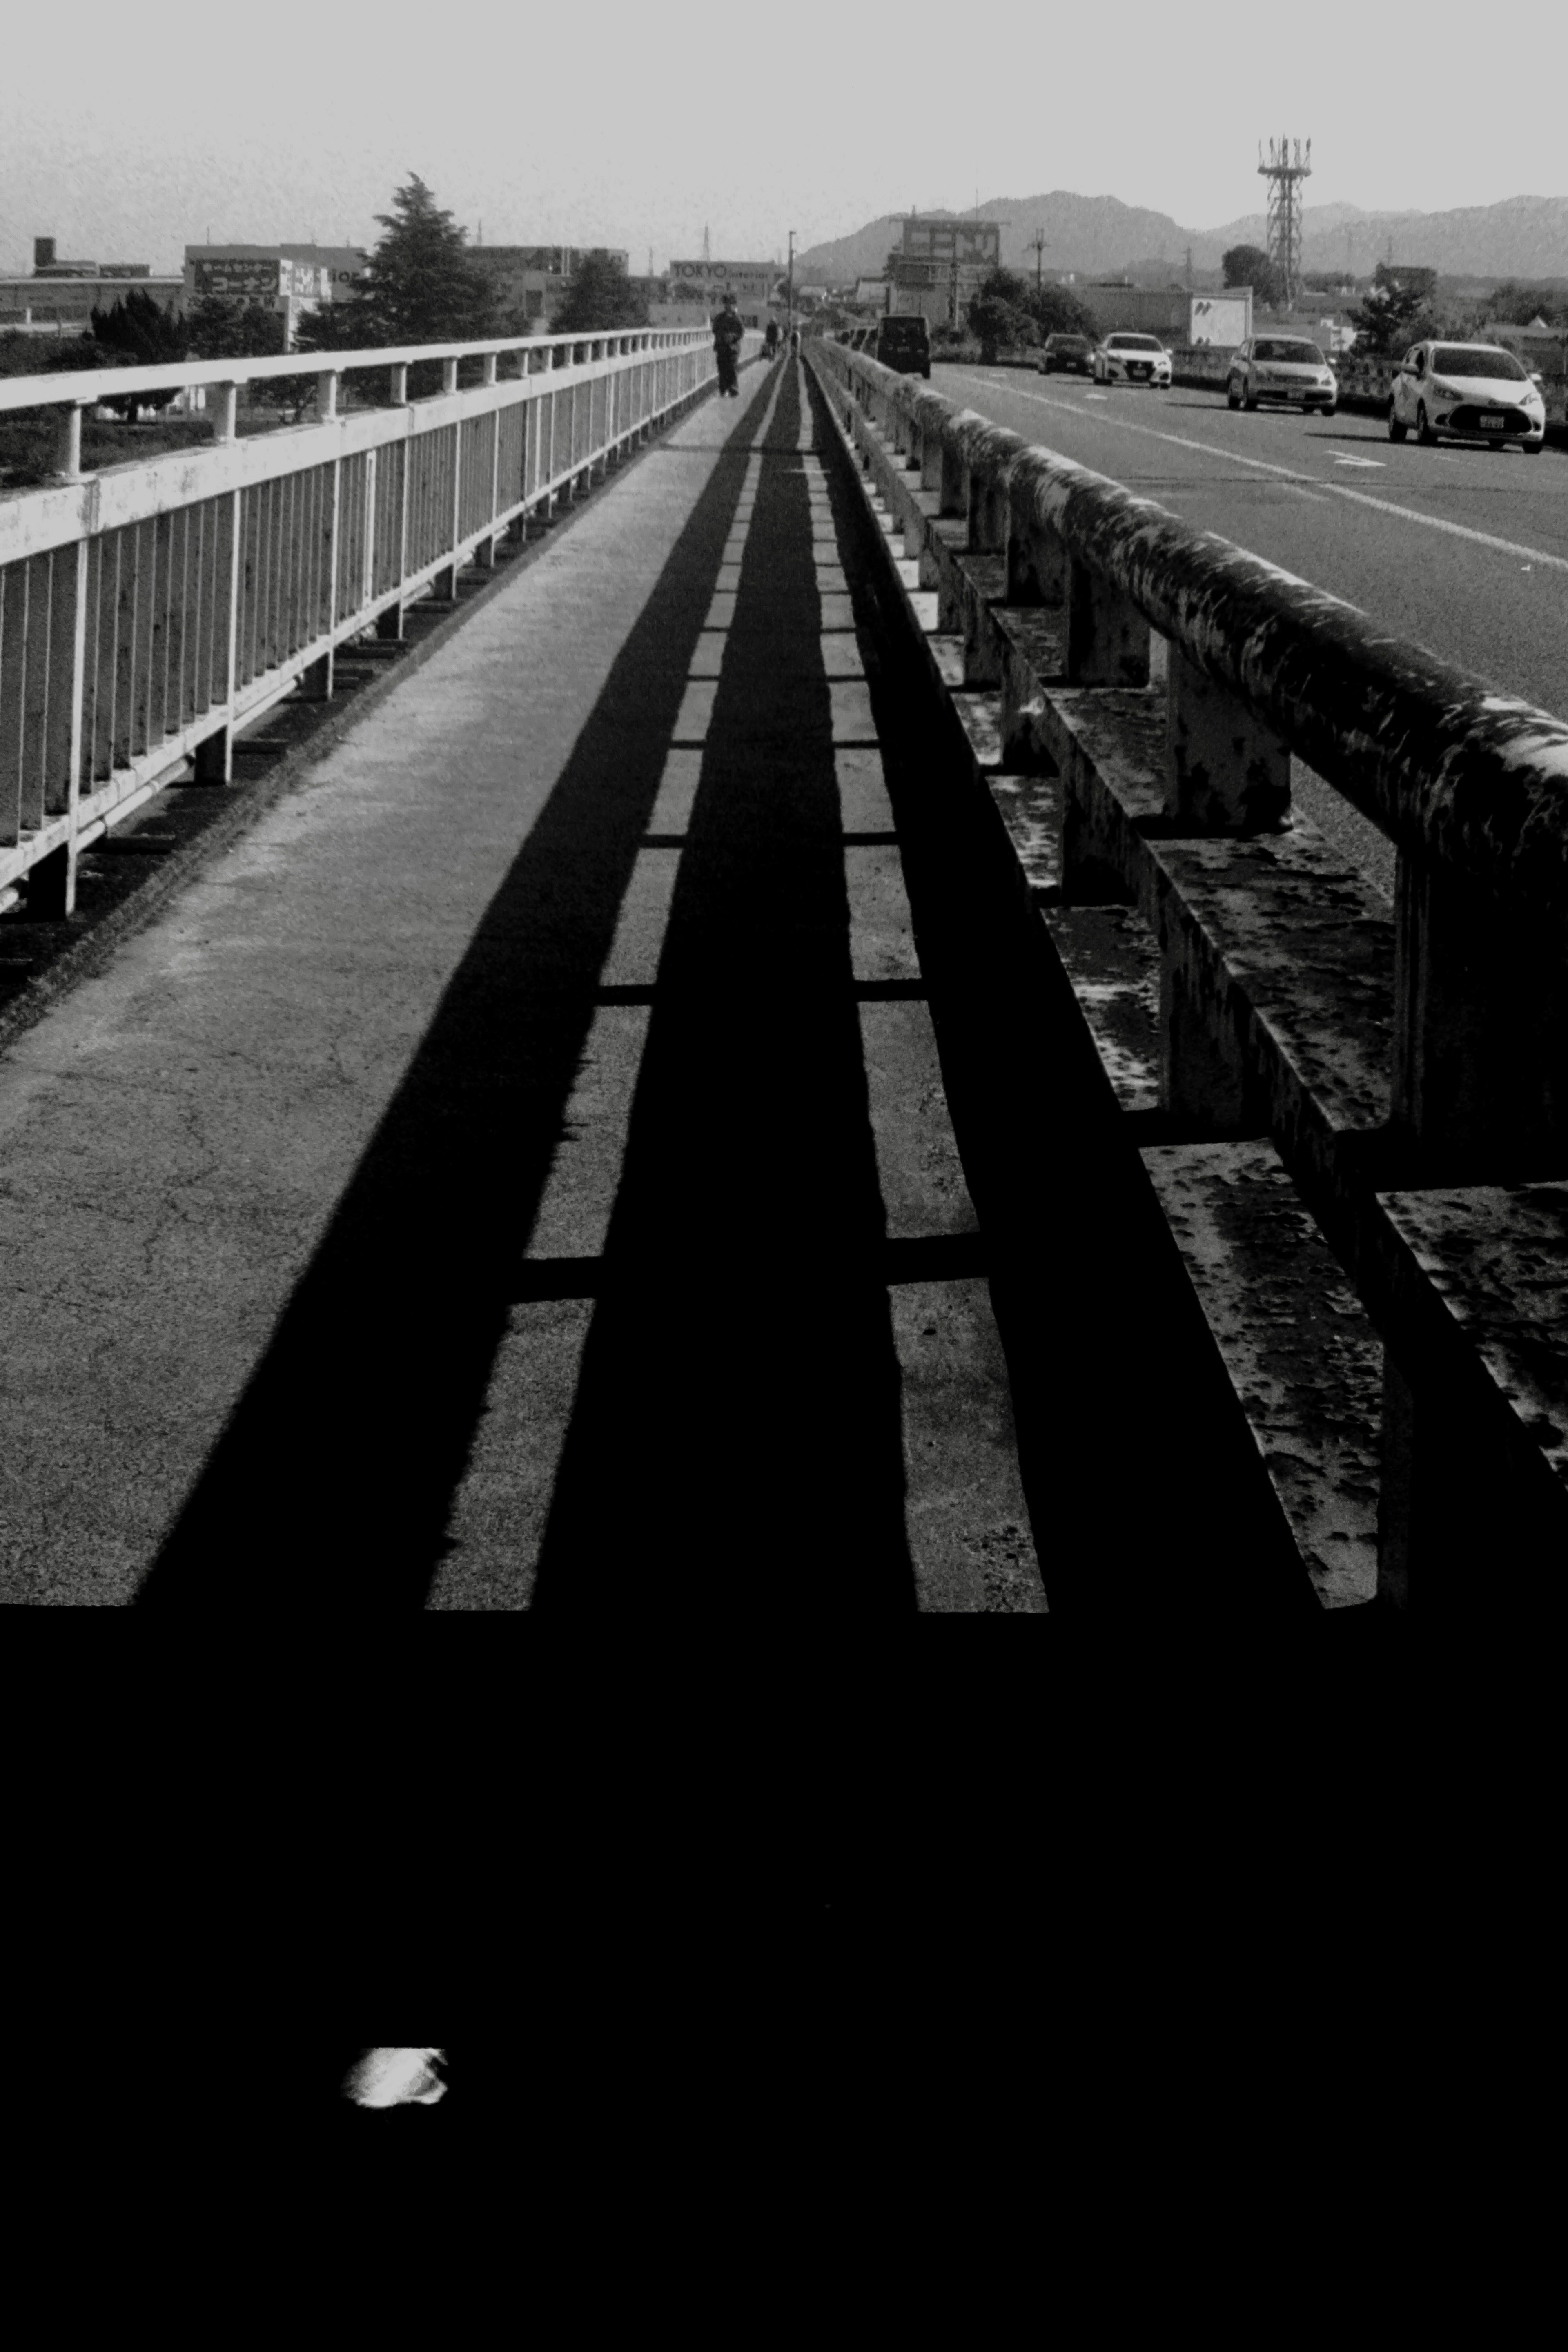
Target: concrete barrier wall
<point>147,611</point>
<point>1130,692</point>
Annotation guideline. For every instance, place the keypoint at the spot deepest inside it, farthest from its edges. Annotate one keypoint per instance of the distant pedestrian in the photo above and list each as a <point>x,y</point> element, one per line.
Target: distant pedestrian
<point>795,339</point>
<point>727,333</point>
<point>772,338</point>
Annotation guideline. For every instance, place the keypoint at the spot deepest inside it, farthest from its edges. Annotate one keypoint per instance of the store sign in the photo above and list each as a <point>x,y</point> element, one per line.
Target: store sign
<point>243,278</point>
<point>751,282</point>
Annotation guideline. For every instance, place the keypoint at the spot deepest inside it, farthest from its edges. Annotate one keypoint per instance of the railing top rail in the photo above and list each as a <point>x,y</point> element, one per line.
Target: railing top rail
<point>1434,755</point>
<point>86,386</point>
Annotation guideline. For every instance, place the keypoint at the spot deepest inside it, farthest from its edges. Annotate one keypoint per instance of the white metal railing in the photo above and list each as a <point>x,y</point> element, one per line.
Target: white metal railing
<point>148,610</point>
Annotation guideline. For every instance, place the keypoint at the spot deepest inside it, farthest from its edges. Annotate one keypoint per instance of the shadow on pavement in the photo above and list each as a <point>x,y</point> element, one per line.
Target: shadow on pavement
<point>738,1415</point>
<point>736,1440</point>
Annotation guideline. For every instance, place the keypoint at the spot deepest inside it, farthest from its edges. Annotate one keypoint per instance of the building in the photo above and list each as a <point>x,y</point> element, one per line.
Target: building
<point>1162,310</point>
<point>700,287</point>
<point>531,281</point>
<point>287,279</point>
<point>940,263</point>
<point>60,297</point>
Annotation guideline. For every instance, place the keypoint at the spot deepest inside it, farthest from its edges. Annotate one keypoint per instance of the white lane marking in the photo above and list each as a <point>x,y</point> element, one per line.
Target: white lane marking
<point>1340,489</point>
<point>1377,463</point>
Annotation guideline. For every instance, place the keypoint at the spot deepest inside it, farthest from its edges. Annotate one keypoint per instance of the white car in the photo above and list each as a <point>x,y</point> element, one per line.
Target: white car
<point>1132,359</point>
<point>1281,367</point>
<point>1467,391</point>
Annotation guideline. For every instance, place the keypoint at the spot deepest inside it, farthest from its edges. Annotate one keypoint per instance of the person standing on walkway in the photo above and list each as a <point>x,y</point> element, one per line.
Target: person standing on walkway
<point>772,338</point>
<point>727,333</point>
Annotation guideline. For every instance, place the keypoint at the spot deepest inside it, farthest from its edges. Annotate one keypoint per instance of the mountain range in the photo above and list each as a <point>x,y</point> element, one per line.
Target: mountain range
<point>1523,237</point>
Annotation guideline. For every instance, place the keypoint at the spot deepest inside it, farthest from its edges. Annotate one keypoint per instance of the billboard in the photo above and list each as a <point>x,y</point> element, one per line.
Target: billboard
<point>751,282</point>
<point>239,278</point>
<point>1222,318</point>
<point>974,245</point>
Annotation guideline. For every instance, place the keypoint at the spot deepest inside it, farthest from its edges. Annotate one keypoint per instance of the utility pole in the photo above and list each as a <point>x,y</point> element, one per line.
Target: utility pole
<point>790,292</point>
<point>1037,245</point>
<point>1189,269</point>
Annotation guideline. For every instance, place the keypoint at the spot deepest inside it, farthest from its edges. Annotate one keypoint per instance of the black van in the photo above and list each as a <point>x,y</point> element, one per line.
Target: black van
<point>903,344</point>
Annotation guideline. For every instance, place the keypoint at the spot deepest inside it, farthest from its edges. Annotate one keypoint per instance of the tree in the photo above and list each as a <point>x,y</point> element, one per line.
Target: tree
<point>137,332</point>
<point>1398,311</point>
<point>1248,265</point>
<point>223,328</point>
<point>601,295</point>
<point>1517,301</point>
<point>1056,310</point>
<point>421,286</point>
<point>998,324</point>
<point>998,312</point>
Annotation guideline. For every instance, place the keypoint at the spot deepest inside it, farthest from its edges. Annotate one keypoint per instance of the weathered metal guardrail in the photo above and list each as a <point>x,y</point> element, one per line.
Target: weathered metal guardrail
<point>1132,691</point>
<point>148,610</point>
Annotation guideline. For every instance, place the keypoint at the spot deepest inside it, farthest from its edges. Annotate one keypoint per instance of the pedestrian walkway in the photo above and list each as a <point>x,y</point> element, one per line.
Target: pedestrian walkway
<point>518,1173</point>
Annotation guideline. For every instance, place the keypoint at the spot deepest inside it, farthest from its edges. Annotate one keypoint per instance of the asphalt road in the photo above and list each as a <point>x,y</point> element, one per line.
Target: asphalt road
<point>1464,551</point>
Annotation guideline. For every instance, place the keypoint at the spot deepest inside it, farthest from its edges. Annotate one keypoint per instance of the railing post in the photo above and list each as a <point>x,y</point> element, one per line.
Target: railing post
<point>1108,636</point>
<point>68,441</point>
<point>226,414</point>
<point>1226,772</point>
<point>327,396</point>
<point>390,623</point>
<point>214,761</point>
<point>399,373</point>
<point>316,683</point>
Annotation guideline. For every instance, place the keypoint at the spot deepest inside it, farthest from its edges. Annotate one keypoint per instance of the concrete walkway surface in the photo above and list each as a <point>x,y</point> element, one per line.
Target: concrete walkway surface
<point>518,1173</point>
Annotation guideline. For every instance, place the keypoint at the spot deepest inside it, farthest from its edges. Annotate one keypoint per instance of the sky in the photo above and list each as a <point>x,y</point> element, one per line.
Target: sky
<point>128,133</point>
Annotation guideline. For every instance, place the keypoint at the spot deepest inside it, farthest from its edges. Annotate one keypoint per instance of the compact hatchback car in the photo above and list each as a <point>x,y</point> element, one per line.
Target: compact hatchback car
<point>1132,359</point>
<point>1467,391</point>
<point>1072,355</point>
<point>1281,367</point>
<point>903,344</point>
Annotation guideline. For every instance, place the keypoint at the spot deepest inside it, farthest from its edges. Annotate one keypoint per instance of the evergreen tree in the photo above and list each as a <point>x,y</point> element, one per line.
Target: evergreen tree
<point>137,332</point>
<point>1398,311</point>
<point>1248,265</point>
<point>1057,311</point>
<point>421,286</point>
<point>223,329</point>
<point>601,295</point>
<point>998,314</point>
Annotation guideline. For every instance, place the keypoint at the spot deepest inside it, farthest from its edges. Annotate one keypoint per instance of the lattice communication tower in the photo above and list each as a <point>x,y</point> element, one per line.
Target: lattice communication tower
<point>1285,171</point>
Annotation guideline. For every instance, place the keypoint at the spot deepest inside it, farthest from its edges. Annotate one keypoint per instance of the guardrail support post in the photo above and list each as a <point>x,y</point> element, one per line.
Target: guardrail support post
<point>327,396</point>
<point>1225,773</point>
<point>1108,638</point>
<point>226,414</point>
<point>1480,1030</point>
<point>399,392</point>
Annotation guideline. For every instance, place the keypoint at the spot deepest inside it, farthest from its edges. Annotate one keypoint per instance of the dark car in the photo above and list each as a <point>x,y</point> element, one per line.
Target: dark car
<point>903,346</point>
<point>1073,354</point>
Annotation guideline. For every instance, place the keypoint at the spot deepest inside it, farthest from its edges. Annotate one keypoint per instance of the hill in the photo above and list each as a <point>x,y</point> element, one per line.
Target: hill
<point>1522,236</point>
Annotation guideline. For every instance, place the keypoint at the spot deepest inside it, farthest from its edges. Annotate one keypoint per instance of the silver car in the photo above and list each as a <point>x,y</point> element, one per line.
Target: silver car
<point>1281,367</point>
<point>1467,391</point>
